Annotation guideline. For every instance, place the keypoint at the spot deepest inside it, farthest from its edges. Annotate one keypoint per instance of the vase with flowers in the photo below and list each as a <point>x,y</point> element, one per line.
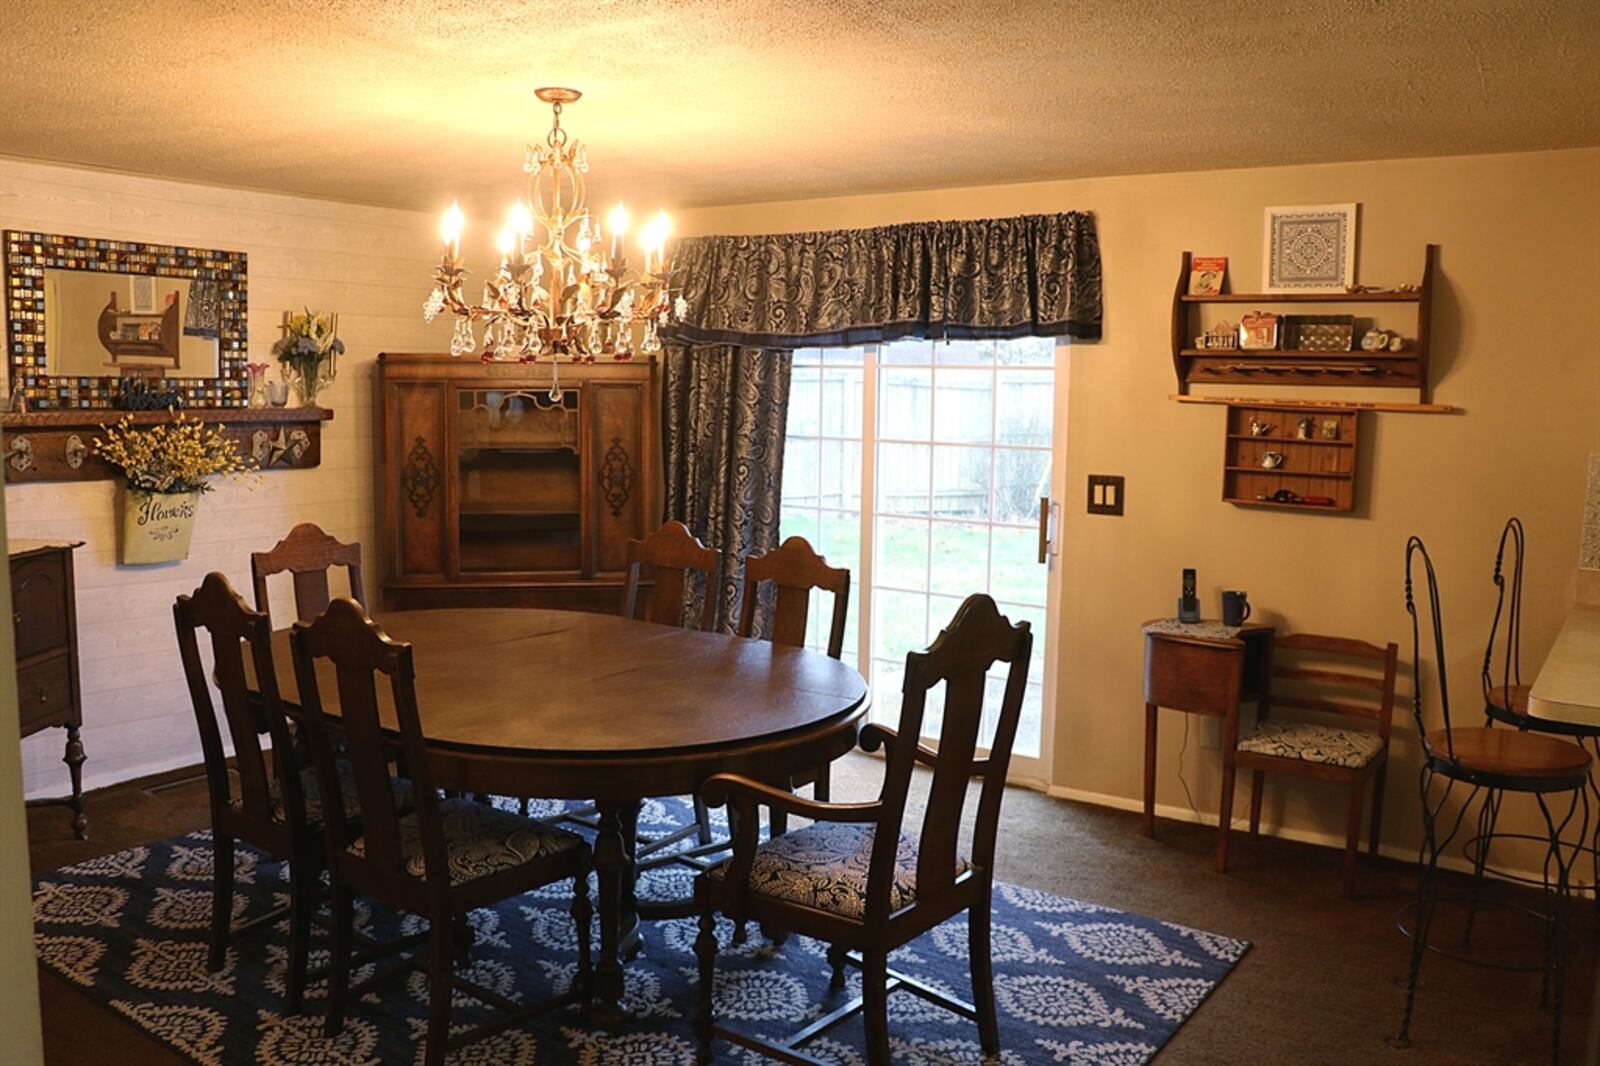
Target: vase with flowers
<point>167,466</point>
<point>308,352</point>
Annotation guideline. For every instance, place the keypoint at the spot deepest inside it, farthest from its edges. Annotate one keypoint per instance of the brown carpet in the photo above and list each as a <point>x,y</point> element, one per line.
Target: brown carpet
<point>1316,988</point>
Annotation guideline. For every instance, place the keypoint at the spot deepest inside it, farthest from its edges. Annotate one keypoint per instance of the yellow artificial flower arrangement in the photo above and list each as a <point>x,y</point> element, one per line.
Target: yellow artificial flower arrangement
<point>177,456</point>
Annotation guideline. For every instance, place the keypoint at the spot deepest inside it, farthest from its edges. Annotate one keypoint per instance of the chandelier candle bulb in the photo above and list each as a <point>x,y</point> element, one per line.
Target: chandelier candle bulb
<point>450,229</point>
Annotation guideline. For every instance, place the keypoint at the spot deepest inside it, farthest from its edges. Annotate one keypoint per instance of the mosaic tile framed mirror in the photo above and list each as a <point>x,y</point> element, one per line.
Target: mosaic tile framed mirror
<point>89,320</point>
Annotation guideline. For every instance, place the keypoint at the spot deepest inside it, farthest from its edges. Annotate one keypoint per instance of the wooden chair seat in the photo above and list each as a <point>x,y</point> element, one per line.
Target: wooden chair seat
<point>1512,699</point>
<point>1508,752</point>
<point>312,794</point>
<point>824,866</point>
<point>479,840</point>
<point>1351,749</point>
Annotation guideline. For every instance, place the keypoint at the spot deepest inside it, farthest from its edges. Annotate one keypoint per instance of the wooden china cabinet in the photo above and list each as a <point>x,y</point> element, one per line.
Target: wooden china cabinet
<point>497,493</point>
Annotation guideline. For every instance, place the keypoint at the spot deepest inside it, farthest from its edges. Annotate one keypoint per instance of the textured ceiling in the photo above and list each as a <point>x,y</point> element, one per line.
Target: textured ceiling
<point>723,101</point>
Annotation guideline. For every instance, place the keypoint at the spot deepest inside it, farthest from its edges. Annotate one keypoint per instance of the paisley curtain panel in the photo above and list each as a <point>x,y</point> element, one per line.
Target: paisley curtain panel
<point>1031,275</point>
<point>723,425</point>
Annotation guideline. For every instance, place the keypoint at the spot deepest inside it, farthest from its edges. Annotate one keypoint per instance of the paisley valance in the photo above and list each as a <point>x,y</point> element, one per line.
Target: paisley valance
<point>1031,275</point>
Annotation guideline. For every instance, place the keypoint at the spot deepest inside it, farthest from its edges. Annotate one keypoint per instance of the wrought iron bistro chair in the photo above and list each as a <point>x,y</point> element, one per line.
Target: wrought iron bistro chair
<point>278,812</point>
<point>1489,761</point>
<point>852,879</point>
<point>1348,681</point>
<point>445,859</point>
<point>307,553</point>
<point>794,569</point>
<point>1505,699</point>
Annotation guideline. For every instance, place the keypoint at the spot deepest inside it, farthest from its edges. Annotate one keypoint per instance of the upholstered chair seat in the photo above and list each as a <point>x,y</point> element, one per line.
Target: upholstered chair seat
<point>403,798</point>
<point>479,840</point>
<point>1309,742</point>
<point>824,866</point>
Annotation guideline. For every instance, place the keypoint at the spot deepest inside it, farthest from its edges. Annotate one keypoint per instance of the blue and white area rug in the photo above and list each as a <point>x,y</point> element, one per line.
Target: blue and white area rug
<point>1076,983</point>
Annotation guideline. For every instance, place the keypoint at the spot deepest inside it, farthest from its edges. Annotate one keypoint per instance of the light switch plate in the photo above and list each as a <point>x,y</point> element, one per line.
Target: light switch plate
<point>1106,493</point>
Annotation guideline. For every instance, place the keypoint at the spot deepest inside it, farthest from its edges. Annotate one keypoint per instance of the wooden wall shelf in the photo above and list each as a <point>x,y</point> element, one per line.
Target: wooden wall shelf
<point>57,445</point>
<point>1406,369</point>
<point>1313,468</point>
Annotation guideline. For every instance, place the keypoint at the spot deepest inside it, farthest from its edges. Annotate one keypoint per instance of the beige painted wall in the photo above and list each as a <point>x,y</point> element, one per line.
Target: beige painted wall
<point>1517,347</point>
<point>370,264</point>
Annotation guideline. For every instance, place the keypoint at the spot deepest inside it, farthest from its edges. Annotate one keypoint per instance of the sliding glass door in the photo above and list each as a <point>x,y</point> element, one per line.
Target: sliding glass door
<point>923,466</point>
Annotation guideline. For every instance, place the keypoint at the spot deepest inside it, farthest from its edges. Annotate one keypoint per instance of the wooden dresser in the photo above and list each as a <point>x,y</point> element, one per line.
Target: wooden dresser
<point>46,620</point>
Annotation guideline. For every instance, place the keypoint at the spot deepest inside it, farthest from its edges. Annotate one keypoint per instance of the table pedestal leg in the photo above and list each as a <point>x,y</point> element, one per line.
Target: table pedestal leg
<point>619,920</point>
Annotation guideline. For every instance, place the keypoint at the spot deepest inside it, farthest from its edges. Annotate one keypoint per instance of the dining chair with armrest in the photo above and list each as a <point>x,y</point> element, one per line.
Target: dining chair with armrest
<point>852,878</point>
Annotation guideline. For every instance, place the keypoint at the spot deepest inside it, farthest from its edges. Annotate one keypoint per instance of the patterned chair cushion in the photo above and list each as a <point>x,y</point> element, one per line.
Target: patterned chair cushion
<point>825,866</point>
<point>403,798</point>
<point>1350,748</point>
<point>479,840</point>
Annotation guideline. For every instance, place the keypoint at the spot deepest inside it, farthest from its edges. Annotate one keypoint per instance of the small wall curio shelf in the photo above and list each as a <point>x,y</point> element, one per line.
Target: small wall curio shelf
<point>58,445</point>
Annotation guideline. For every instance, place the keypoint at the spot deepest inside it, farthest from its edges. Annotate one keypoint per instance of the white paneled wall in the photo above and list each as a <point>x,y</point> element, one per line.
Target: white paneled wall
<point>369,264</point>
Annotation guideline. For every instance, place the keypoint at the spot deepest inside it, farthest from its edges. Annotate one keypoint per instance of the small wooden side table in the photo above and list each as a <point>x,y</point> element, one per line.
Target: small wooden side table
<point>1208,669</point>
<point>45,615</point>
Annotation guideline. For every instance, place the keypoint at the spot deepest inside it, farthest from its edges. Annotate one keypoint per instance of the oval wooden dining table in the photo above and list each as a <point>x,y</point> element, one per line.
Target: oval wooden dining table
<point>567,705</point>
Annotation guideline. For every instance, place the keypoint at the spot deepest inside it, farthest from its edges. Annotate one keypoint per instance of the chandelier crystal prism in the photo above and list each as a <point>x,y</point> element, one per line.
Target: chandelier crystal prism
<point>565,288</point>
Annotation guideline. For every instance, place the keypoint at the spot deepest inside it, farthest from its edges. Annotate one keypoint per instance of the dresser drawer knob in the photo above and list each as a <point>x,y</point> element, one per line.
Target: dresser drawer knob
<point>44,695</point>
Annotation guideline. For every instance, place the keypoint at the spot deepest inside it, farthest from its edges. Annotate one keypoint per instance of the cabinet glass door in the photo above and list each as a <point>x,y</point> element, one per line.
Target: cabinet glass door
<point>520,481</point>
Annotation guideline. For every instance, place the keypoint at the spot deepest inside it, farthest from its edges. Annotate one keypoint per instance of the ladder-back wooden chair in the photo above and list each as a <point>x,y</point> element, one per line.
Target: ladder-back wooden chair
<point>276,807</point>
<point>671,553</point>
<point>794,569</point>
<point>852,879</point>
<point>1492,762</point>
<point>444,859</point>
<point>307,553</point>
<point>1349,680</point>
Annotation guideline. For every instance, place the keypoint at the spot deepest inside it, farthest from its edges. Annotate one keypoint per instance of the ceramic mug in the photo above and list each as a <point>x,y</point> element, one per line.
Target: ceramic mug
<point>1235,608</point>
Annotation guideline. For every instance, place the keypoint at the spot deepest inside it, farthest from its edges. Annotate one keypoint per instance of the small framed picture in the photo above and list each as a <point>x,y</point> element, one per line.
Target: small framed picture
<point>1309,249</point>
<point>1206,274</point>
<point>1258,331</point>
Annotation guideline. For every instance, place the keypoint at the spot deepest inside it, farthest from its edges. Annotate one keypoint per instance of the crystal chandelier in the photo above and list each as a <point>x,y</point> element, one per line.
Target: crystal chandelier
<point>565,289</point>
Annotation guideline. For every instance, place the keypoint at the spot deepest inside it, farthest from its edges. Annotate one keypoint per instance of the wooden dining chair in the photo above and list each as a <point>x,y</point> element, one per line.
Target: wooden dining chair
<point>277,805</point>
<point>442,860</point>
<point>852,878</point>
<point>1348,681</point>
<point>671,553</point>
<point>306,553</point>
<point>793,569</point>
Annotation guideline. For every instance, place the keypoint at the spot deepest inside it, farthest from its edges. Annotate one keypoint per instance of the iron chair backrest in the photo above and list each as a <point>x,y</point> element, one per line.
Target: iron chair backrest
<point>976,638</point>
<point>361,653</point>
<point>1337,690</point>
<point>306,553</point>
<point>233,629</point>
<point>1415,548</point>
<point>1507,603</point>
<point>672,552</point>
<point>794,569</point>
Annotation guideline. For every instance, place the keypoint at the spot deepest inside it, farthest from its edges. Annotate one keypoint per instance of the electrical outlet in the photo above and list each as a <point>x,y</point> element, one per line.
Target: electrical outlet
<point>1105,493</point>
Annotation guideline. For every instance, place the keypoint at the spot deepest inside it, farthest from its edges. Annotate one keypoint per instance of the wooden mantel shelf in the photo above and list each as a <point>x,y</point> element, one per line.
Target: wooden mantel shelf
<point>56,445</point>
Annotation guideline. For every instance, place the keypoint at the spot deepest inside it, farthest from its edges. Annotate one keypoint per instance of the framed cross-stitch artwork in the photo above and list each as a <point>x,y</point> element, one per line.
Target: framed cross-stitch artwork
<point>1309,249</point>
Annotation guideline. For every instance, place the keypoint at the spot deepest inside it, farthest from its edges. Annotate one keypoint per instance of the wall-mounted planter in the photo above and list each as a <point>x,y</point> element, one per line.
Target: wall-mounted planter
<point>57,445</point>
<point>157,526</point>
